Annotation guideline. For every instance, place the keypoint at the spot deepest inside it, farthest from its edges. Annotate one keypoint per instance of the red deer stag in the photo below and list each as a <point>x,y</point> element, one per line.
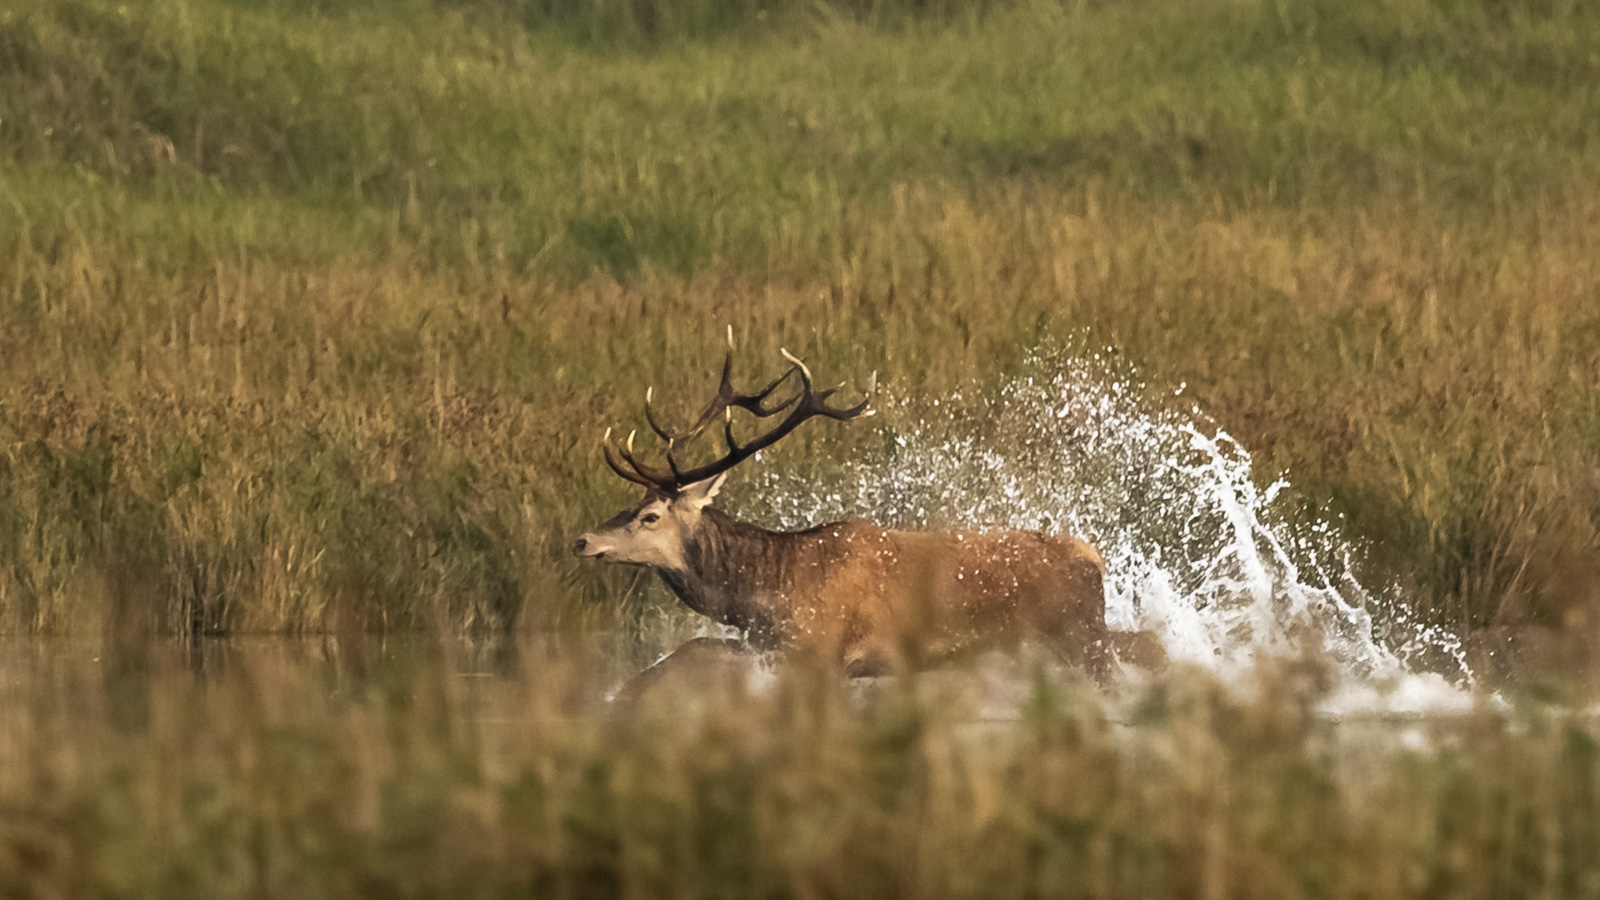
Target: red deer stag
<point>871,599</point>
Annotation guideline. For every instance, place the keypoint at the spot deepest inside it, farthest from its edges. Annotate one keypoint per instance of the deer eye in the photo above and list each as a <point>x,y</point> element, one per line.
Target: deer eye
<point>649,519</point>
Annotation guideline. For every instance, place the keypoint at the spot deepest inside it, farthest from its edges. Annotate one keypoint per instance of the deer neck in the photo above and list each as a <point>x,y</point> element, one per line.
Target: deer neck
<point>728,571</point>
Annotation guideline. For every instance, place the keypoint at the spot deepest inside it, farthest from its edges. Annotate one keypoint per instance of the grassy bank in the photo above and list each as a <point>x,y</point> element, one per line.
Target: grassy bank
<point>312,312</point>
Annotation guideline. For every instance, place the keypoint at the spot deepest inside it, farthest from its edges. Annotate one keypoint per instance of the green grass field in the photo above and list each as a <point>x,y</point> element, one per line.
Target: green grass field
<point>312,313</point>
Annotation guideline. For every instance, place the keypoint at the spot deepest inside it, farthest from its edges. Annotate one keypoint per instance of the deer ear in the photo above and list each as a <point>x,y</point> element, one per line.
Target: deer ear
<point>700,494</point>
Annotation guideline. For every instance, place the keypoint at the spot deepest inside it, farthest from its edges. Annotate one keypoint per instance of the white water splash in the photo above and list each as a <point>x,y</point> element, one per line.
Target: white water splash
<point>1195,552</point>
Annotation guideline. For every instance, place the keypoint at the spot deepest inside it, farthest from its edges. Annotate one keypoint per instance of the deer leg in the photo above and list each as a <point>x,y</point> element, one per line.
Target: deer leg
<point>1076,639</point>
<point>696,666</point>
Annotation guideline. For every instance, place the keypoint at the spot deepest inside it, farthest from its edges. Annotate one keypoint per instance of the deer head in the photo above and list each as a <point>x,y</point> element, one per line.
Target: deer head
<point>656,531</point>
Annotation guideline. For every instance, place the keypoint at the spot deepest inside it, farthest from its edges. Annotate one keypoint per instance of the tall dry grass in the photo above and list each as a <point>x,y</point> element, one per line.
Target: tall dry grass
<point>314,310</point>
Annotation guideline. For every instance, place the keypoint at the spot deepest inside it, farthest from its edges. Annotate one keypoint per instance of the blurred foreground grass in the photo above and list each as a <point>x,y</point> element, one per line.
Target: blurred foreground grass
<point>276,776</point>
<point>311,312</point>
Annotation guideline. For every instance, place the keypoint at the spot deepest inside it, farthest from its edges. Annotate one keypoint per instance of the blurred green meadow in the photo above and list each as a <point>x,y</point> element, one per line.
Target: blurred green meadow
<point>312,313</point>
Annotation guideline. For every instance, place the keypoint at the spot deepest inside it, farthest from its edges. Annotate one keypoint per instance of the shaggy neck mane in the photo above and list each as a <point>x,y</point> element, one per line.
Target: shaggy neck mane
<point>727,564</point>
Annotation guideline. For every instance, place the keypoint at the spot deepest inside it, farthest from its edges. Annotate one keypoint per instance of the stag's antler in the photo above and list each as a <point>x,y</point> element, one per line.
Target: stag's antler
<point>808,403</point>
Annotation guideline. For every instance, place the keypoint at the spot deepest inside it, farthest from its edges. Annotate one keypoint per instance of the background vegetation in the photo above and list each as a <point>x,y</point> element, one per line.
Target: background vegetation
<point>311,313</point>
<point>314,309</point>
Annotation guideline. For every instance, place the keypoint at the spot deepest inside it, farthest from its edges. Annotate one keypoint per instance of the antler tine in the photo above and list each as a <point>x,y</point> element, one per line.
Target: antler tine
<point>755,403</point>
<point>805,373</point>
<point>816,401</point>
<point>636,478</point>
<point>650,415</point>
<point>672,461</point>
<point>720,400</point>
<point>733,443</point>
<point>654,475</point>
<point>726,398</point>
<point>661,432</point>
